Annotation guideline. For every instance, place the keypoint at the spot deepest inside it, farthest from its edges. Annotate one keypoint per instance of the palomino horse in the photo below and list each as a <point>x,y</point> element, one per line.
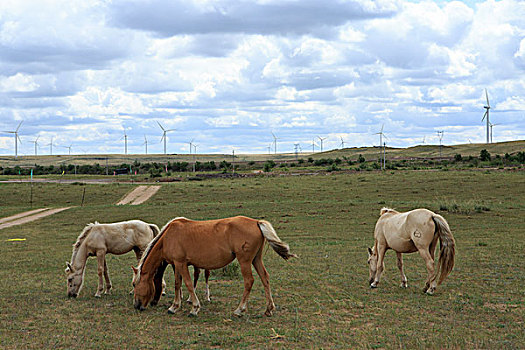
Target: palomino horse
<point>415,231</point>
<point>207,245</point>
<point>100,239</point>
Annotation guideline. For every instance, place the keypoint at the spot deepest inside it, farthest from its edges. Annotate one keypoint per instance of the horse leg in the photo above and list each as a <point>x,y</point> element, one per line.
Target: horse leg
<point>207,292</point>
<point>178,292</point>
<point>265,279</point>
<point>183,269</point>
<point>100,270</point>
<point>380,265</point>
<point>429,288</point>
<point>106,277</point>
<point>196,273</point>
<point>246,270</point>
<point>400,266</point>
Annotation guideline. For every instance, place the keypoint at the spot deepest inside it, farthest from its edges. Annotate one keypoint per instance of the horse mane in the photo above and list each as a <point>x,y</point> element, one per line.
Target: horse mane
<point>388,210</point>
<point>81,237</point>
<point>151,245</point>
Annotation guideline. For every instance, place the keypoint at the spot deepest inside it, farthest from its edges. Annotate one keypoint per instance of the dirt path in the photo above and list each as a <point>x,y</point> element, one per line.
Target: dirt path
<point>27,217</point>
<point>19,215</point>
<point>139,195</point>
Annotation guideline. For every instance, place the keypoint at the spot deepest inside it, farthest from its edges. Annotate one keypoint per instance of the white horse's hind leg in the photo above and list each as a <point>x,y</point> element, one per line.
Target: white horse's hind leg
<point>207,291</point>
<point>429,288</point>
<point>106,277</point>
<point>404,283</point>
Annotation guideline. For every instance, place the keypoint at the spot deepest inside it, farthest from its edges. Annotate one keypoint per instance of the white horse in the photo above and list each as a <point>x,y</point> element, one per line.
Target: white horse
<point>415,231</point>
<point>100,239</point>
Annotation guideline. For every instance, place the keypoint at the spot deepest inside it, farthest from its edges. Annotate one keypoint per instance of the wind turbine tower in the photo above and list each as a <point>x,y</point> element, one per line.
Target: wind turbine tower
<point>342,142</point>
<point>321,139</point>
<point>164,131</point>
<point>491,125</point>
<point>274,143</point>
<point>145,143</point>
<point>36,143</point>
<point>440,135</point>
<point>125,137</point>
<point>50,146</point>
<point>486,115</point>
<point>17,138</point>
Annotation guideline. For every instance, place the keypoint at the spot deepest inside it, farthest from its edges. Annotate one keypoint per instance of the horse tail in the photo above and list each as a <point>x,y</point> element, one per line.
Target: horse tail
<point>448,247</point>
<point>155,229</point>
<point>275,242</point>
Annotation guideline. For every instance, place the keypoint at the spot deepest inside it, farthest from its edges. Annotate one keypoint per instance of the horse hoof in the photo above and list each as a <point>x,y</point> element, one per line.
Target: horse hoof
<point>192,314</point>
<point>268,313</point>
<point>98,296</point>
<point>171,312</point>
<point>430,291</point>
<point>403,285</point>
<point>373,286</point>
<point>237,313</point>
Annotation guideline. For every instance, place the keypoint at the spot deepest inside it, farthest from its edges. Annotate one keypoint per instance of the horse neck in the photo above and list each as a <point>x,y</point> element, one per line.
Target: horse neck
<point>153,260</point>
<point>79,258</point>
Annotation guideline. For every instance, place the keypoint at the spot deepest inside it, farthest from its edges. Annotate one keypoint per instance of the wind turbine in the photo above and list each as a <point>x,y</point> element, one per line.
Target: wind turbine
<point>125,137</point>
<point>191,144</point>
<point>164,131</point>
<point>424,139</point>
<point>145,143</point>
<point>342,142</point>
<point>36,143</point>
<point>491,125</point>
<point>50,146</point>
<point>313,145</point>
<point>440,135</point>
<point>269,148</point>
<point>274,143</point>
<point>487,107</point>
<point>321,139</point>
<point>381,134</point>
<point>17,138</point>
<point>68,147</point>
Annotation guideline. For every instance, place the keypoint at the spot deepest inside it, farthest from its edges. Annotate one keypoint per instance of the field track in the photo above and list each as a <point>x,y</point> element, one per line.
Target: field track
<point>28,216</point>
<point>139,195</point>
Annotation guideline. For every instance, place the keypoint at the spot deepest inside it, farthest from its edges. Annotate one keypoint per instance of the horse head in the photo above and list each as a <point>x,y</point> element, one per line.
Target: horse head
<point>74,280</point>
<point>372,264</point>
<point>143,290</point>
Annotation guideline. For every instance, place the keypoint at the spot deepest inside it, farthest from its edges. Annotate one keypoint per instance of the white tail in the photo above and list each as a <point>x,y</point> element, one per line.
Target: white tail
<point>275,242</point>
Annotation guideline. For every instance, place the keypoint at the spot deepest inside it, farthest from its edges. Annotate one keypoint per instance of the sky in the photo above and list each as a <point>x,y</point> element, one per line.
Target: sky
<point>227,74</point>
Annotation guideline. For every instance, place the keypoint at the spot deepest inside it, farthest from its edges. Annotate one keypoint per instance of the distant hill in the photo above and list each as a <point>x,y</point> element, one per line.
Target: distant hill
<point>422,151</point>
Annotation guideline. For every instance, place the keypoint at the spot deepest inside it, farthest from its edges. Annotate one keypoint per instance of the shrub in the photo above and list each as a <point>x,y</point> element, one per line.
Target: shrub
<point>484,155</point>
<point>361,159</point>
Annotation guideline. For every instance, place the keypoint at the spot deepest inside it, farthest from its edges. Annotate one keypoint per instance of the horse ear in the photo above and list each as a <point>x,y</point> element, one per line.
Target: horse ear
<point>369,251</point>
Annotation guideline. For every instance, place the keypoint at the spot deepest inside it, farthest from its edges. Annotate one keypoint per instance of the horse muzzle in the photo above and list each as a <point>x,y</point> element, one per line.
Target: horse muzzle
<point>138,306</point>
<point>72,295</point>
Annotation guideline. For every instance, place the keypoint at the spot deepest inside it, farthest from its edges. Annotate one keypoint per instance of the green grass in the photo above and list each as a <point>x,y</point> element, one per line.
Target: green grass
<point>323,300</point>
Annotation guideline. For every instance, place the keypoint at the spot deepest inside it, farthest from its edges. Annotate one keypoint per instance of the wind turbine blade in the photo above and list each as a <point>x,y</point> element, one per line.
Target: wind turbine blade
<point>484,115</point>
<point>382,126</point>
<point>487,95</point>
<point>19,126</point>
<point>161,126</point>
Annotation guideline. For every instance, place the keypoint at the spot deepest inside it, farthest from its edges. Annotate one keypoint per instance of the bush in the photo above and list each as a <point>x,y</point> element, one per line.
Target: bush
<point>484,155</point>
<point>361,159</point>
<point>458,157</point>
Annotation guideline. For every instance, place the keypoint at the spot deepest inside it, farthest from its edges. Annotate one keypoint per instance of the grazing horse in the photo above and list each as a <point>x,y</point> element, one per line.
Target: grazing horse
<point>206,245</point>
<point>415,231</point>
<point>100,239</point>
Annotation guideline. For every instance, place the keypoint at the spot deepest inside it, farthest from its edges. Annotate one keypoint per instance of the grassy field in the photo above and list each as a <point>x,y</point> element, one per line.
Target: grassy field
<point>422,151</point>
<point>323,299</point>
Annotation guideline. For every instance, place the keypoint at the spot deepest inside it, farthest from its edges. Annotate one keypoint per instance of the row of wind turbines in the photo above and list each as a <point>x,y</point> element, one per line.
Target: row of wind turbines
<point>297,146</point>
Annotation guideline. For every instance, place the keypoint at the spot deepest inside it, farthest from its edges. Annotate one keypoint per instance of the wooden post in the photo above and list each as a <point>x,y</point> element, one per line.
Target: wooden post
<point>83,195</point>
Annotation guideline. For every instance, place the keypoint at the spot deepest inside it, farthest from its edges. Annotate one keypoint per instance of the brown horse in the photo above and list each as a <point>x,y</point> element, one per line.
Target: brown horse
<point>414,231</point>
<point>207,245</point>
<point>101,239</point>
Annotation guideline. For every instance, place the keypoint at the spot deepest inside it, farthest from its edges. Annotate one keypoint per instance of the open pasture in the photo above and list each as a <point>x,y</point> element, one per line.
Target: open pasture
<point>323,298</point>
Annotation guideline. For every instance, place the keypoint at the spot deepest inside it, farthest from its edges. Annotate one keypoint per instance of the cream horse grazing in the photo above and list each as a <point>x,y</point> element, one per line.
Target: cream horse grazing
<point>100,239</point>
<point>415,231</point>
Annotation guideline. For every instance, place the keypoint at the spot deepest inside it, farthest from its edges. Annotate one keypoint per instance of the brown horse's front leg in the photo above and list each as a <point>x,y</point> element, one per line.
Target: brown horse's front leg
<point>177,301</point>
<point>157,281</point>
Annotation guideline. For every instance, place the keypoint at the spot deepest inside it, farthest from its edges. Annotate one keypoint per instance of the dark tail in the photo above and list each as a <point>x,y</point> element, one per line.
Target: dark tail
<point>275,242</point>
<point>155,229</point>
<point>448,247</point>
